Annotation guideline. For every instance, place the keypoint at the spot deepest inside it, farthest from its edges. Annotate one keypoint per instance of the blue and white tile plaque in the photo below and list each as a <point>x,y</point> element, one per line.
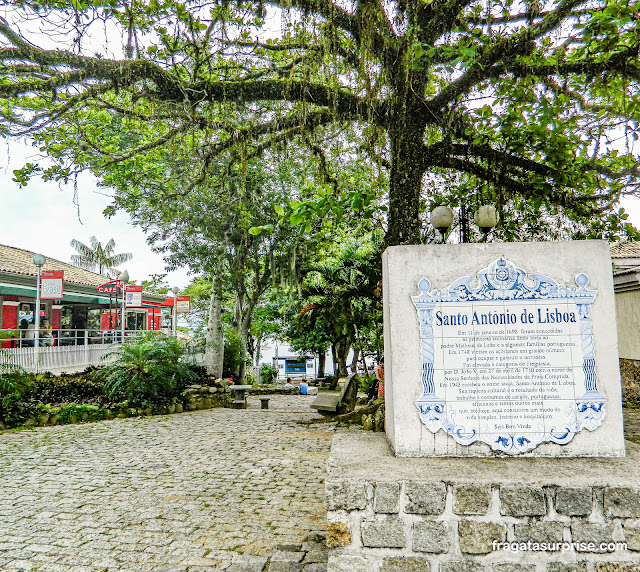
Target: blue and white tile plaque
<point>508,359</point>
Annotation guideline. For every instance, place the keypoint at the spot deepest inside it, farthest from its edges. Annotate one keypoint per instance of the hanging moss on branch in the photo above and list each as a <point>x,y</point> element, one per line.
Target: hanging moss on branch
<point>531,106</point>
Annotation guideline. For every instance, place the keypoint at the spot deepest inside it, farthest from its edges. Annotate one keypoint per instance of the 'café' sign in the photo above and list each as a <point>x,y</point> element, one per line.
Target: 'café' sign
<point>111,287</point>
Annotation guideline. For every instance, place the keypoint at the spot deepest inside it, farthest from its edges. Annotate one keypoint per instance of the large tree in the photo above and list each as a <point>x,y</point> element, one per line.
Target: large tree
<point>531,102</point>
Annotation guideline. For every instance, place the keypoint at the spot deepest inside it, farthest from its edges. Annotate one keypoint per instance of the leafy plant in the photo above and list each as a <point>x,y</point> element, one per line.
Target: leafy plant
<point>268,373</point>
<point>234,355</point>
<point>14,383</point>
<point>148,370</point>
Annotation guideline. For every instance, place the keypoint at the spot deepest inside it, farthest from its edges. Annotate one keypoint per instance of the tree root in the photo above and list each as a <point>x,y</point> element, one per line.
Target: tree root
<point>354,416</point>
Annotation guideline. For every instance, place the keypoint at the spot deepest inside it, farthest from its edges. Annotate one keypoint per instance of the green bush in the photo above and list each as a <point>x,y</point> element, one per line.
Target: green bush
<point>366,381</point>
<point>87,387</point>
<point>149,370</point>
<point>249,378</point>
<point>234,355</point>
<point>268,373</point>
<point>14,383</point>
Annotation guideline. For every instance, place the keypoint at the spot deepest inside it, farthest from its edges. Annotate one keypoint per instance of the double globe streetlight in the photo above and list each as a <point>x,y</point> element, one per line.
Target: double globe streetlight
<point>486,217</point>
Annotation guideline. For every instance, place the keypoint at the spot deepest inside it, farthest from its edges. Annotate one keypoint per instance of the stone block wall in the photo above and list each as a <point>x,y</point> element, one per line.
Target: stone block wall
<point>196,397</point>
<point>426,526</point>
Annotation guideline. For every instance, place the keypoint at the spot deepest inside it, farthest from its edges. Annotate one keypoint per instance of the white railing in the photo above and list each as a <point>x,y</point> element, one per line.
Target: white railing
<point>58,359</point>
<point>75,351</point>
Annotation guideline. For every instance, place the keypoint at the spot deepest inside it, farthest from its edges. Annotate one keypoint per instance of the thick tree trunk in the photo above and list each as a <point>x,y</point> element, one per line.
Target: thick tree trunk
<point>341,351</point>
<point>405,182</point>
<point>321,360</point>
<point>354,361</point>
<point>245,325</point>
<point>214,340</point>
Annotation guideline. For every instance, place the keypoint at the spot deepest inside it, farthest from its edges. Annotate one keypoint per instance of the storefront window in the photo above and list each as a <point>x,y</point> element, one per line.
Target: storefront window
<point>93,319</point>
<point>136,320</point>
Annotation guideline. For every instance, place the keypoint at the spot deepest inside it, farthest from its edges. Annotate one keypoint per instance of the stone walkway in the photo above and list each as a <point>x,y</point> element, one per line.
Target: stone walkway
<point>218,489</point>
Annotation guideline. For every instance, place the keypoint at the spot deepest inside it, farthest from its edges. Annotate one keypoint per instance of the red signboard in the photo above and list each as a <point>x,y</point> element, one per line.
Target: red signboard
<point>183,304</point>
<point>51,284</point>
<point>133,297</point>
<point>110,287</point>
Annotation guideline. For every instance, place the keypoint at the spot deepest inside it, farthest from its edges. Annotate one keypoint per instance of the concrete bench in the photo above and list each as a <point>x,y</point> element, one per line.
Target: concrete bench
<point>337,404</point>
<point>240,398</point>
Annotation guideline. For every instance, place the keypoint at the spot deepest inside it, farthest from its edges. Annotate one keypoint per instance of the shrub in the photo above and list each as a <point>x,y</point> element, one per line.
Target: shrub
<point>14,383</point>
<point>149,370</point>
<point>234,355</point>
<point>249,378</point>
<point>366,381</point>
<point>268,373</point>
<point>67,388</point>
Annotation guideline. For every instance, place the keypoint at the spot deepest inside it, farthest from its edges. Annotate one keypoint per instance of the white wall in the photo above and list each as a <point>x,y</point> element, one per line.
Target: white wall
<point>273,349</point>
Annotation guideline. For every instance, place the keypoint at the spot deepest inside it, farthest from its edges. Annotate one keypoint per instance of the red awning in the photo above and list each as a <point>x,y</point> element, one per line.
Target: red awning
<point>168,302</point>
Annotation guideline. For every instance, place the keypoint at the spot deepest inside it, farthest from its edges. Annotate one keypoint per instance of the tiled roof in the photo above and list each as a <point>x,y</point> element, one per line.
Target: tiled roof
<point>20,261</point>
<point>625,250</point>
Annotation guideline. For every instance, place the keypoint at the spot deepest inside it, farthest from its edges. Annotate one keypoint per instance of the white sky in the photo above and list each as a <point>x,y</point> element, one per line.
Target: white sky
<point>42,217</point>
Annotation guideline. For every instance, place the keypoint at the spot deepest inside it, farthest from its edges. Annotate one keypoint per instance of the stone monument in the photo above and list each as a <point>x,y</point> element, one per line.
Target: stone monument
<point>504,449</point>
<point>502,349</point>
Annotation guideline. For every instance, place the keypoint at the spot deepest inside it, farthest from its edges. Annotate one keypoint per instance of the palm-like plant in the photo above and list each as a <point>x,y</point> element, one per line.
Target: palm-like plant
<point>344,297</point>
<point>98,257</point>
<point>147,370</point>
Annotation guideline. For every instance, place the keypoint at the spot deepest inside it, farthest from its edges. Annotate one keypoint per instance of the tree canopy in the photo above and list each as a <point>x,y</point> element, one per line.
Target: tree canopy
<point>534,104</point>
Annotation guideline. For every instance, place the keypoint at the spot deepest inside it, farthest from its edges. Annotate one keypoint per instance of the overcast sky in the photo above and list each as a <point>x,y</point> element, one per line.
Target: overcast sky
<point>42,217</point>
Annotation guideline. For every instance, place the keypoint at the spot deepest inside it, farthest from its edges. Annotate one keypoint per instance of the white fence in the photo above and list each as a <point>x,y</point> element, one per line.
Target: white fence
<point>60,359</point>
<point>84,350</point>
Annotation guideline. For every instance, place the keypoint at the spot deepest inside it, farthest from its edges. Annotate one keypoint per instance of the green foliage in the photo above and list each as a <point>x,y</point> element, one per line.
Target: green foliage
<point>534,107</point>
<point>234,355</point>
<point>74,413</point>
<point>14,383</point>
<point>249,378</point>
<point>156,284</point>
<point>87,386</point>
<point>366,381</point>
<point>268,373</point>
<point>147,370</point>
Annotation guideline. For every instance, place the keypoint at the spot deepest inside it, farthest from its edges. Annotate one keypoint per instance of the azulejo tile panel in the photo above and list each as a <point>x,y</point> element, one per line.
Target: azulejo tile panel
<point>508,359</point>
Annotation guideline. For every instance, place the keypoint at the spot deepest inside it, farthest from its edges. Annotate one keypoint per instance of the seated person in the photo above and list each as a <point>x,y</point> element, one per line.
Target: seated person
<point>46,334</point>
<point>304,387</point>
<point>29,339</point>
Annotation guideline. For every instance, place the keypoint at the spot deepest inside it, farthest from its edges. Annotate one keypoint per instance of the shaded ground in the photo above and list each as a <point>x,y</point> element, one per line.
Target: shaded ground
<point>199,491</point>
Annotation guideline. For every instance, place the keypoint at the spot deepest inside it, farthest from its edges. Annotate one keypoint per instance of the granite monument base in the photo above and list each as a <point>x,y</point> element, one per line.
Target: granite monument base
<point>393,514</point>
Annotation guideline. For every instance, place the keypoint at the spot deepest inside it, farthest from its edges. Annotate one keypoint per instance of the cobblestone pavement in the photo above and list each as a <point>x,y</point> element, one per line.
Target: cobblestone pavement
<point>220,489</point>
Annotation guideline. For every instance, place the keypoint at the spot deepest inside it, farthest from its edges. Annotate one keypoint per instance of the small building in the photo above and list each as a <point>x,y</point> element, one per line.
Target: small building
<point>291,364</point>
<point>85,311</point>
<point>625,257</point>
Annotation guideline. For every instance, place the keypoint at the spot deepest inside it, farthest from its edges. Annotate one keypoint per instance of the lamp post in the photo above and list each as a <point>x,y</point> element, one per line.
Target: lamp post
<point>123,278</point>
<point>441,219</point>
<point>39,261</point>
<point>174,317</point>
<point>486,218</point>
